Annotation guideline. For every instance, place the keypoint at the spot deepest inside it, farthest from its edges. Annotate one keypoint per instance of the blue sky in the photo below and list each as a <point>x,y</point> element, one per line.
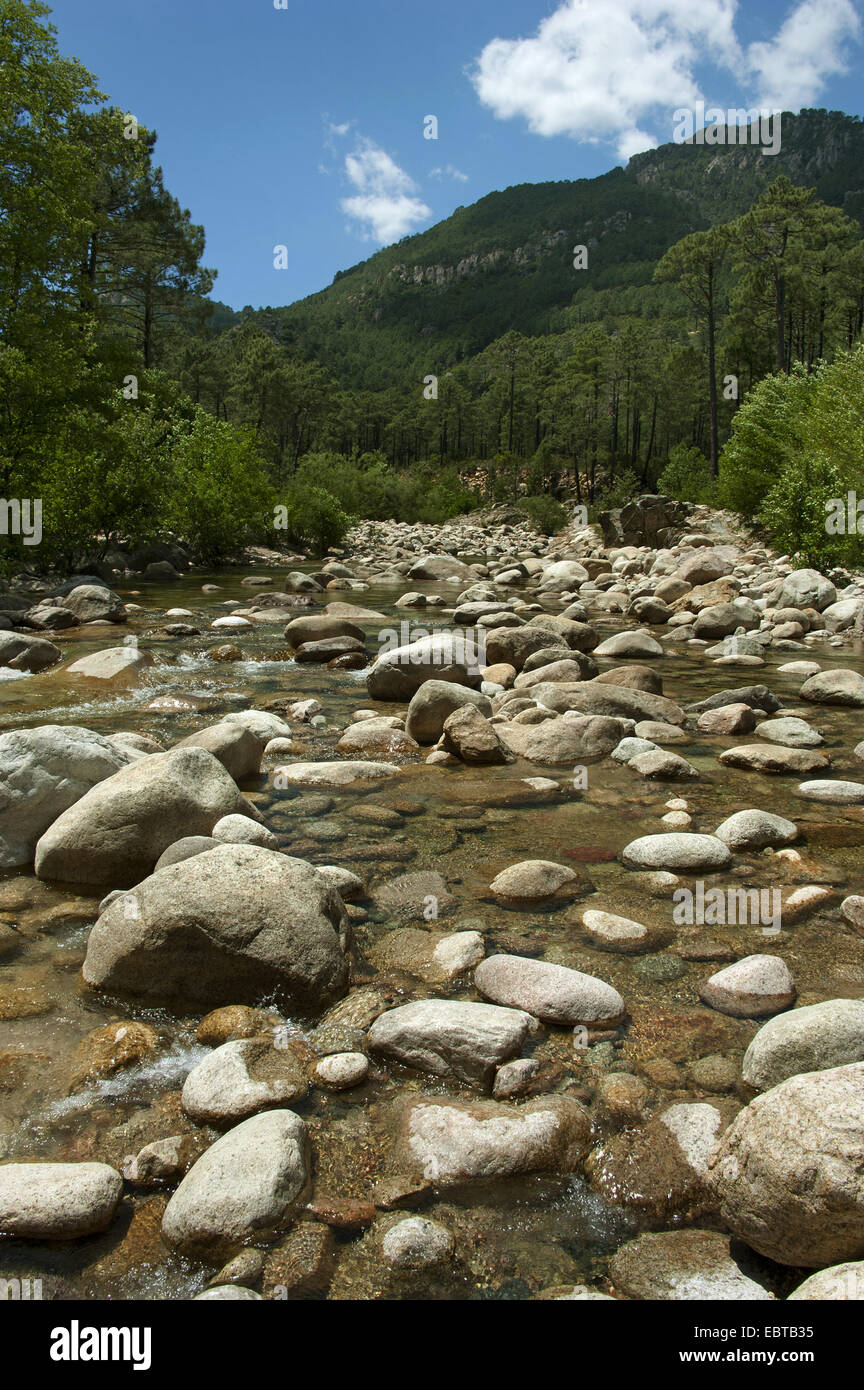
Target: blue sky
<point>304,126</point>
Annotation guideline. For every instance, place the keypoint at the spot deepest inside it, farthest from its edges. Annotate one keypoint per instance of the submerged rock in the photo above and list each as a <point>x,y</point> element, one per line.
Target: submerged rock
<point>445,1142</point>
<point>683,1266</point>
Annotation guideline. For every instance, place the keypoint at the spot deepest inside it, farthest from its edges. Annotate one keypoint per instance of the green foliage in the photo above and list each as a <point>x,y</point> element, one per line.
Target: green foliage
<point>547,515</point>
<point>550,383</point>
<point>366,486</point>
<point>766,431</point>
<point>798,446</point>
<point>311,517</point>
<point>221,497</point>
<point>687,475</point>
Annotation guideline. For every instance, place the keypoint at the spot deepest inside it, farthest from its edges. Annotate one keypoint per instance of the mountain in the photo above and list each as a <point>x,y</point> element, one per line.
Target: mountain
<point>506,262</point>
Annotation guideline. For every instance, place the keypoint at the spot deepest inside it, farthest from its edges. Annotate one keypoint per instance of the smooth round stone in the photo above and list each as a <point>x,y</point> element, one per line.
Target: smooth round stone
<point>751,988</point>
<point>656,732</point>
<point>815,1038</point>
<point>417,1243</point>
<point>240,830</point>
<point>57,1201</point>
<point>755,830</point>
<point>534,879</point>
<point>838,1284</point>
<point>229,622</point>
<point>612,933</point>
<point>791,732</point>
<point>676,820</point>
<point>552,993</point>
<point>838,793</point>
<point>799,668</point>
<point>631,748</point>
<point>279,747</point>
<point>681,852</point>
<point>852,911</point>
<point>342,1070</point>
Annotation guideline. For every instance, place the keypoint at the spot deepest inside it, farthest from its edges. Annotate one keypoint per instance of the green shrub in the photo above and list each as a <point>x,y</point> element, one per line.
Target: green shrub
<point>221,497</point>
<point>687,475</point>
<point>311,518</point>
<point>547,515</point>
<point>798,447</point>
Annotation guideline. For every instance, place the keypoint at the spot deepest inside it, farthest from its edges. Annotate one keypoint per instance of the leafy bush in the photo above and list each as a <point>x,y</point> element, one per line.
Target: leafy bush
<point>367,487</point>
<point>311,518</point>
<point>547,515</point>
<point>687,475</point>
<point>221,497</point>
<point>798,447</point>
<point>766,433</point>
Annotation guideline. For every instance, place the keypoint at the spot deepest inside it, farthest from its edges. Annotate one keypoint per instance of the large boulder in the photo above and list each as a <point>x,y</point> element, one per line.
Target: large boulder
<point>806,589</point>
<point>815,1038</point>
<point>703,566</point>
<point>789,1171</point>
<point>512,646</point>
<point>635,643</point>
<point>246,1187</point>
<point>232,926</point>
<point>563,574</point>
<point>444,567</point>
<point>90,604</point>
<point>683,1266</point>
<point>721,619</point>
<point>433,703</point>
<point>565,741</point>
<point>114,665</point>
<point>444,656</point>
<point>321,627</point>
<point>840,687</point>
<point>21,652</point>
<point>44,771</point>
<point>601,697</point>
<point>470,736</point>
<point>238,749</point>
<point>116,832</point>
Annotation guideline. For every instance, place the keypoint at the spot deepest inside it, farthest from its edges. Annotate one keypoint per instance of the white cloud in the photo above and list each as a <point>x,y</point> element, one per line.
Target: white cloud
<point>791,69</point>
<point>449,171</point>
<point>599,72</point>
<point>384,204</point>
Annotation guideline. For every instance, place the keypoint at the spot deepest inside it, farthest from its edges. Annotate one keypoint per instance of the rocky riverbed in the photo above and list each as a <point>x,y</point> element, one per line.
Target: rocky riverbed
<point>465,915</point>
